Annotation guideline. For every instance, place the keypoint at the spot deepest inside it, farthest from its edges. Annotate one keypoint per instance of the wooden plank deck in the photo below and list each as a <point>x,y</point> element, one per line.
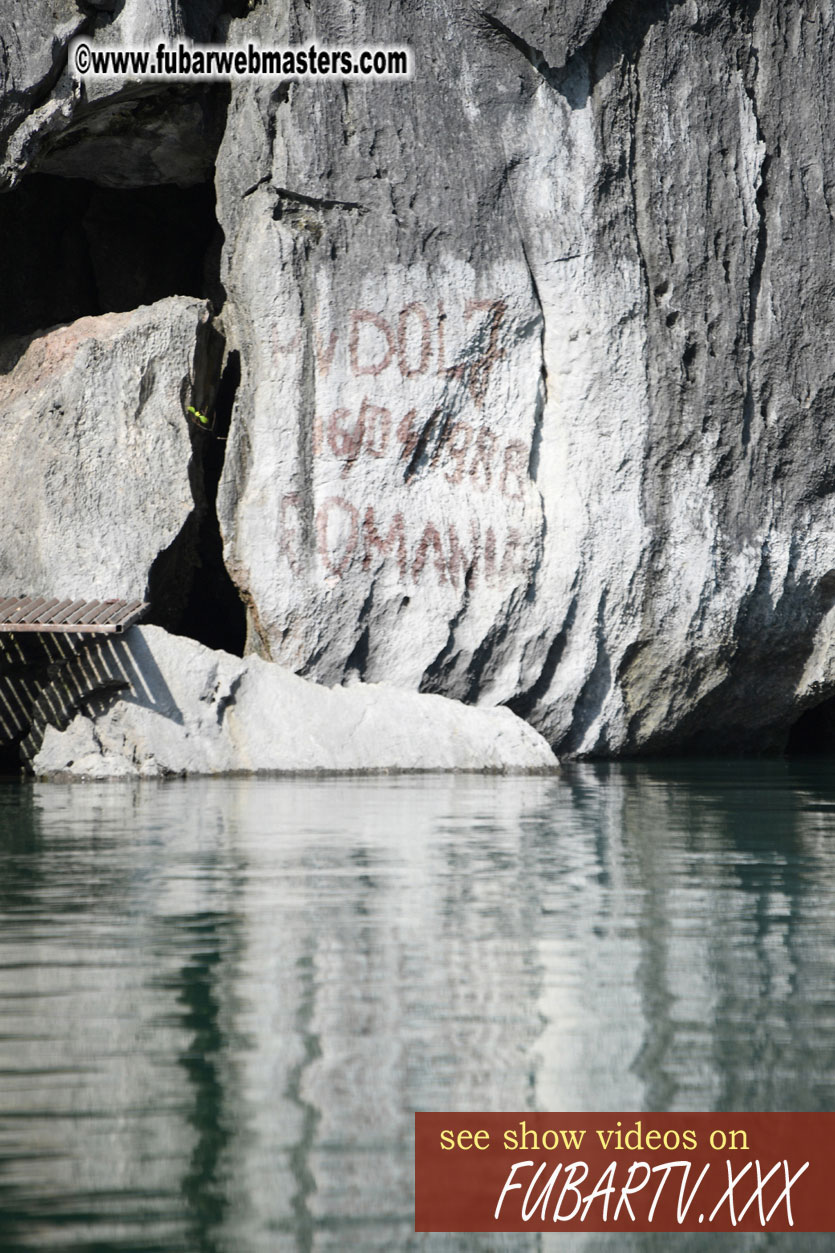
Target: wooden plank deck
<point>46,615</point>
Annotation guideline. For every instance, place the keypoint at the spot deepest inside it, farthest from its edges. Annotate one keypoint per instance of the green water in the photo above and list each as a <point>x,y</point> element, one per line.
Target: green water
<point>222,1001</point>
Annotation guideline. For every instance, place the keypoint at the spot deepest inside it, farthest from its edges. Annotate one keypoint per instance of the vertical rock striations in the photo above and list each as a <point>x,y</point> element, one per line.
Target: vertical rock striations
<point>534,354</point>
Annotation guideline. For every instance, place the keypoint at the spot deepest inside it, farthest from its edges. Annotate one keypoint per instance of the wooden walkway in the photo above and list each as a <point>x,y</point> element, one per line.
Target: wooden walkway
<point>69,617</point>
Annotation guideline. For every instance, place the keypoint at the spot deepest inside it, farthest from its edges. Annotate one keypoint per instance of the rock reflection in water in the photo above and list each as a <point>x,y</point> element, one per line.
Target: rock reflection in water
<point>222,1001</point>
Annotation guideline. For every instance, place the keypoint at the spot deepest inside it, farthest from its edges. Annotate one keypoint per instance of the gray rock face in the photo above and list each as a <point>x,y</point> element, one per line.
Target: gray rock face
<point>32,57</point>
<point>95,452</point>
<point>535,365</point>
<point>194,710</point>
<point>379,500</point>
<point>117,132</point>
<point>549,34</point>
<point>534,349</point>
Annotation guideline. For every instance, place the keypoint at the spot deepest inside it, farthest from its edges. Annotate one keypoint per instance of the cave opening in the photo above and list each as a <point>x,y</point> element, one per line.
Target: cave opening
<point>814,732</point>
<point>121,212</point>
<point>73,248</point>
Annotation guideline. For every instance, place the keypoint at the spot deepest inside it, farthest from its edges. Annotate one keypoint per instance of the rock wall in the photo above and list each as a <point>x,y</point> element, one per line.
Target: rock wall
<point>535,388</point>
<point>118,132</point>
<point>536,384</point>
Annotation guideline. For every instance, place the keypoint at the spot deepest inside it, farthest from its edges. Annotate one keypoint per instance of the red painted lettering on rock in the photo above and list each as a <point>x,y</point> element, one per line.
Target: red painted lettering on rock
<point>414,310</point>
<point>374,361</point>
<point>410,340</point>
<point>376,425</point>
<point>395,540</point>
<point>423,552</point>
<point>465,454</point>
<point>430,538</point>
<point>337,534</point>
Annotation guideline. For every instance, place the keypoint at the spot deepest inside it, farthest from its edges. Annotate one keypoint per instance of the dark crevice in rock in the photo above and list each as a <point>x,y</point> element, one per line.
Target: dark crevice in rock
<point>308,667</point>
<point>419,456</point>
<point>536,434</point>
<point>238,8</point>
<point>287,198</point>
<point>358,660</point>
<point>491,26</point>
<point>116,209</point>
<point>189,587</point>
<point>436,675</point>
<point>306,214</point>
<point>632,172</point>
<point>277,98</point>
<point>755,282</point>
<point>570,80</point>
<point>103,10</point>
<point>200,18</point>
<point>542,390</point>
<point>483,660</point>
<point>262,182</point>
<point>814,731</point>
<point>357,663</point>
<point>622,32</point>
<point>93,250</point>
<point>226,701</point>
<point>524,704</point>
<point>304,434</point>
<point>589,703</point>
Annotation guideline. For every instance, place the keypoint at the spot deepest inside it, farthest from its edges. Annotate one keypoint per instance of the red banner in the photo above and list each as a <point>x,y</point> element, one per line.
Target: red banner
<point>624,1172</point>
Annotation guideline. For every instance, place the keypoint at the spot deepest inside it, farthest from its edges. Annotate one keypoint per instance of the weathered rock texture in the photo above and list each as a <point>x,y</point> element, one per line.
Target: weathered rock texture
<point>116,132</point>
<point>534,351</point>
<point>194,710</point>
<point>95,452</point>
<point>536,386</point>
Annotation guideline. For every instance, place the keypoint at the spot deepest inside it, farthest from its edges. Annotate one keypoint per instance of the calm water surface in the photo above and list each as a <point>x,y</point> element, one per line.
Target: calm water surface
<point>222,1001</point>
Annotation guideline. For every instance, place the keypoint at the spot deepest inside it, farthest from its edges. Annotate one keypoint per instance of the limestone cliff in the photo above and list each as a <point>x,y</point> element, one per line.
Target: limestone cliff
<point>527,370</point>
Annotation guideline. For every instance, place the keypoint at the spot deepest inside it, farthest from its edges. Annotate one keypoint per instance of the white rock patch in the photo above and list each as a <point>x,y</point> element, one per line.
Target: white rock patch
<point>190,710</point>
